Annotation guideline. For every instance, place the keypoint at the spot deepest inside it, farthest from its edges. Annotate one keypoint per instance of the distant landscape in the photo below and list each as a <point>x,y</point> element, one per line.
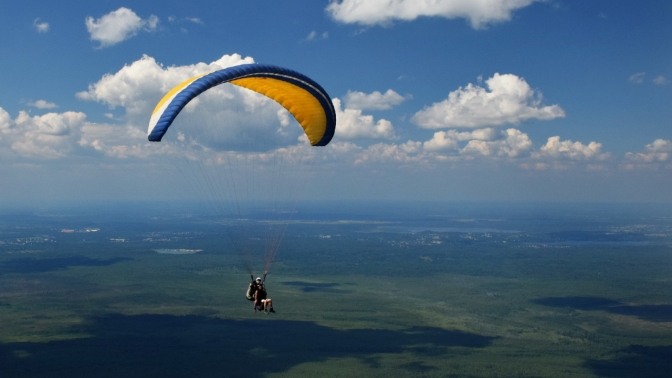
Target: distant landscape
<point>361,289</point>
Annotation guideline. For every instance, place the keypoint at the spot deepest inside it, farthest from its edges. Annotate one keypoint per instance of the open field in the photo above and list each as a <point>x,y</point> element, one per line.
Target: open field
<point>455,292</point>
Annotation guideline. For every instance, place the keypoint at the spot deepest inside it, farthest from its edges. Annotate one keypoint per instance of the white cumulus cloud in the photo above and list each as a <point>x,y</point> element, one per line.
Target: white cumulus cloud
<point>513,143</point>
<point>5,121</point>
<point>118,26</point>
<point>566,149</point>
<point>443,140</point>
<point>660,80</point>
<point>637,78</point>
<point>63,135</point>
<point>42,104</point>
<point>49,136</point>
<point>658,151</point>
<point>409,152</point>
<point>444,147</point>
<point>139,86</point>
<point>480,13</point>
<point>313,35</point>
<point>114,140</point>
<point>440,141</point>
<point>351,123</point>
<point>40,26</point>
<point>195,20</point>
<point>373,101</point>
<point>507,99</point>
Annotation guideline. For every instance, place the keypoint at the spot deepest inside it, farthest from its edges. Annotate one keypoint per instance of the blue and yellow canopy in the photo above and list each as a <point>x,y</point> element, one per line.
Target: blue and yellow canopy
<point>301,96</point>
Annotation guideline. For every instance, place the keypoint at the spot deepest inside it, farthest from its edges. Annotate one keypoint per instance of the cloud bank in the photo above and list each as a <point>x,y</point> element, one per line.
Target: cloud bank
<point>139,85</point>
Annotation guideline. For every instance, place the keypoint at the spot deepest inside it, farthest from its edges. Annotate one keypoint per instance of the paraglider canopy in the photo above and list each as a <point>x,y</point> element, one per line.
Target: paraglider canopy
<point>301,96</point>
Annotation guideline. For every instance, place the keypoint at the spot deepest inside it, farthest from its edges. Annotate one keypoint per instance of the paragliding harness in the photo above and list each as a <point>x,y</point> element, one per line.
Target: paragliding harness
<point>252,289</point>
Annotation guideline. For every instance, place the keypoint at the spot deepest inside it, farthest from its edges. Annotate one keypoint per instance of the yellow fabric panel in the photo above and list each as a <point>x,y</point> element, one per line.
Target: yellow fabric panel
<point>175,90</point>
<point>298,101</point>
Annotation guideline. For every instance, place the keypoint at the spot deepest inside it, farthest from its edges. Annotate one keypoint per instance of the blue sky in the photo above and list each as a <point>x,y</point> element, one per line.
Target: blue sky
<point>449,100</point>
